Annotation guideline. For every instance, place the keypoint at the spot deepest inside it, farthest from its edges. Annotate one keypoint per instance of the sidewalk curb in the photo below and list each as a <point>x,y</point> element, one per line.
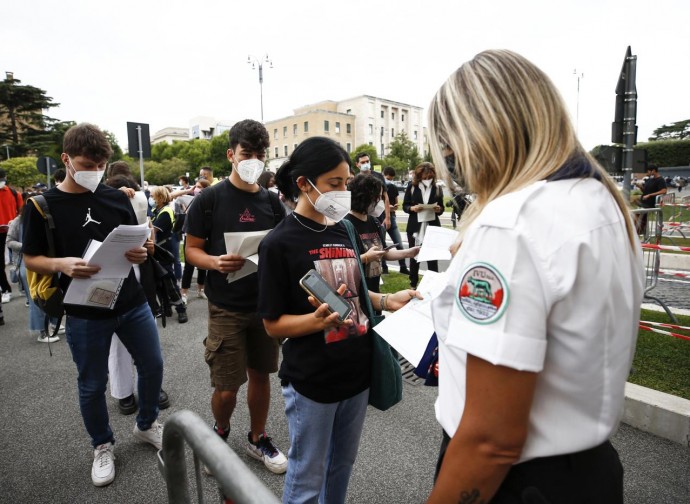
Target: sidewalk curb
<point>675,261</point>
<point>658,413</point>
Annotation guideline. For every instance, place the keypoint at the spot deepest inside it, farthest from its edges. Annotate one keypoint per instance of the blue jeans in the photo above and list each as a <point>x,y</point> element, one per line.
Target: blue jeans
<point>324,438</point>
<point>89,341</point>
<point>177,266</point>
<point>36,316</point>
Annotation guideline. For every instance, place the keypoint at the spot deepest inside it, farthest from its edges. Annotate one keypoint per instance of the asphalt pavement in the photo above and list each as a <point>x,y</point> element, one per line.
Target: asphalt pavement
<point>45,454</point>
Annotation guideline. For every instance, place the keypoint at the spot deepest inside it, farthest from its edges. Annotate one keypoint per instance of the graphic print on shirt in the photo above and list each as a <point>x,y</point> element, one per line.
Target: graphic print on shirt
<point>337,264</point>
<point>373,268</point>
<point>89,218</point>
<point>246,216</point>
<point>482,293</point>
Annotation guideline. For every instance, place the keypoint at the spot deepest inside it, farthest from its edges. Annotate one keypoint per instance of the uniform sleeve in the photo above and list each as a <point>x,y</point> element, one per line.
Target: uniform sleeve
<point>501,302</point>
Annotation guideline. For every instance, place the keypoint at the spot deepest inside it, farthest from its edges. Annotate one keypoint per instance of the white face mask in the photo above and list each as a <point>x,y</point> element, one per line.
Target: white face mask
<point>250,169</point>
<point>365,166</point>
<point>2,184</point>
<point>334,204</point>
<point>376,210</point>
<point>427,183</point>
<point>87,179</point>
<point>152,202</point>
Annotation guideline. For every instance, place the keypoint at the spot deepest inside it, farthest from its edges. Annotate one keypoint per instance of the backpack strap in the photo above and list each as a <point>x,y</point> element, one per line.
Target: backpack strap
<point>277,206</point>
<point>16,200</point>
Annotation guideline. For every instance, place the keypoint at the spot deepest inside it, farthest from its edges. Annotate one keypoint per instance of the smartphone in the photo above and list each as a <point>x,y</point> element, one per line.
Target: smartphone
<point>317,287</point>
<point>389,247</point>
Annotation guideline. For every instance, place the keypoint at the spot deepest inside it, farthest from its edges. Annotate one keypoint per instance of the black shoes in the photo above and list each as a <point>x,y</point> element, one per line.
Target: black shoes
<point>182,317</point>
<point>404,270</point>
<point>128,405</point>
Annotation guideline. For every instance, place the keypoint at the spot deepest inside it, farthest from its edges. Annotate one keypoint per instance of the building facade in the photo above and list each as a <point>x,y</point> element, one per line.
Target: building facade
<point>169,135</point>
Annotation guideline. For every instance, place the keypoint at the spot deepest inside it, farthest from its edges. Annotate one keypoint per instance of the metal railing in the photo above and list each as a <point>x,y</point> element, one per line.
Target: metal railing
<point>237,482</point>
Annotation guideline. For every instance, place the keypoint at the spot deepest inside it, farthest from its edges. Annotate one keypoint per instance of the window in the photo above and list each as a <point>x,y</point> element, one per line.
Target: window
<point>284,131</point>
<point>382,114</point>
<point>381,130</point>
<point>371,130</point>
<point>348,111</point>
<point>294,146</point>
<point>393,115</point>
<point>275,134</point>
<point>268,153</point>
<point>382,154</point>
<point>294,129</point>
<point>325,126</point>
<point>286,150</point>
<point>306,126</point>
<point>349,147</point>
<point>337,127</point>
<point>371,143</point>
<point>414,134</point>
<point>348,128</point>
<point>276,151</point>
<point>402,117</point>
<point>392,132</point>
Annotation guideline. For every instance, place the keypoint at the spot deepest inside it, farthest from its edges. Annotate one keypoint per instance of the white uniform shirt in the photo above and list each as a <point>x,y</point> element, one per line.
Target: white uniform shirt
<point>545,281</point>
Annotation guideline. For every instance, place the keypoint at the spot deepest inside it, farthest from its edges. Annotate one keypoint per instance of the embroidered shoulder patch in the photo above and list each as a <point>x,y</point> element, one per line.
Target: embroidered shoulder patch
<point>482,294</point>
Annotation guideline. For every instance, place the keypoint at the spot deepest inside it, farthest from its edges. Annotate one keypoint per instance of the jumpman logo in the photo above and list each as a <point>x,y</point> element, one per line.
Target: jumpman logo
<point>89,219</point>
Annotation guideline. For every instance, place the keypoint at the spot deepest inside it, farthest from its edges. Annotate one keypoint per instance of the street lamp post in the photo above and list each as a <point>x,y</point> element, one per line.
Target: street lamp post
<point>259,63</point>
<point>579,76</point>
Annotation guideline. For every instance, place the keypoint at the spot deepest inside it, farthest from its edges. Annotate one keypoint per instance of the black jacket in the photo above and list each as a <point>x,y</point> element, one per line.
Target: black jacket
<point>413,196</point>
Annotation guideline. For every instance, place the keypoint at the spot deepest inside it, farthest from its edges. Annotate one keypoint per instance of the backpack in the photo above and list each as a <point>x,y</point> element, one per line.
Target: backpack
<point>44,289</point>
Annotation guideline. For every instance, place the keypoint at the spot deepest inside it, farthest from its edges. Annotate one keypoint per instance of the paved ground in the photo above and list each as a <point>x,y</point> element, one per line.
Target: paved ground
<point>45,456</point>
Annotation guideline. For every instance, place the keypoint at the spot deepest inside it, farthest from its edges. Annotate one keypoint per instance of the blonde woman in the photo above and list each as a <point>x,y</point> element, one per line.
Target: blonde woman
<point>537,324</point>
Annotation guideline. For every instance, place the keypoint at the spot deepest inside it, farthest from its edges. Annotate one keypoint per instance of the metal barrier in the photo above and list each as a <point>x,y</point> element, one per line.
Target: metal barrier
<point>649,226</point>
<point>236,481</point>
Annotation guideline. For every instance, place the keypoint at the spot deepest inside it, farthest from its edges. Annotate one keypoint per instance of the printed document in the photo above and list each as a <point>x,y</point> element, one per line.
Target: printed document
<point>247,246</point>
<point>436,244</point>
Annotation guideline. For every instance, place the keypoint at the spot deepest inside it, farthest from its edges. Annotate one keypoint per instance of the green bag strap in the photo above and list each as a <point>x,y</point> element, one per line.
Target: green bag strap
<point>353,238</point>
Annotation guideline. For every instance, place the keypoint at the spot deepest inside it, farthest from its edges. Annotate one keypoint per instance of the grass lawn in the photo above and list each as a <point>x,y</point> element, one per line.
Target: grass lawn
<point>661,362</point>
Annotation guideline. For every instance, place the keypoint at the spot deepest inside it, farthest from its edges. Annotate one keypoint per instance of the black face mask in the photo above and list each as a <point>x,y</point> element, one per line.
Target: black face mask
<point>450,163</point>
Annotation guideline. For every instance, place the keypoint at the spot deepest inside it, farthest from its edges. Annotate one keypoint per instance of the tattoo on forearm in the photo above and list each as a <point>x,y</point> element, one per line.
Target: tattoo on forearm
<point>471,497</point>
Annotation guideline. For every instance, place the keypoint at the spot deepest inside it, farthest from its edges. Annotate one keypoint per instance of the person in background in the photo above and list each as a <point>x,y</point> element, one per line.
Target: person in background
<point>183,181</point>
<point>393,231</point>
<point>83,210</point>
<point>325,371</point>
<point>422,190</point>
<point>10,204</point>
<point>237,348</point>
<point>537,323</point>
<point>206,172</point>
<point>267,180</point>
<point>59,176</point>
<point>188,271</point>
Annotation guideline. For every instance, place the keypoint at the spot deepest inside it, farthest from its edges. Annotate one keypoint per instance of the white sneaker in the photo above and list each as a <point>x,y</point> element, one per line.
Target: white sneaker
<point>6,297</point>
<point>103,468</point>
<point>152,436</point>
<point>265,450</point>
<point>201,294</point>
<point>184,298</point>
<point>60,331</point>
<point>43,337</point>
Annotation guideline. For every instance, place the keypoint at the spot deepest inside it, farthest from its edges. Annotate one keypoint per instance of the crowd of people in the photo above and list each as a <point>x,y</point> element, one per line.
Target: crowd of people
<point>536,325</point>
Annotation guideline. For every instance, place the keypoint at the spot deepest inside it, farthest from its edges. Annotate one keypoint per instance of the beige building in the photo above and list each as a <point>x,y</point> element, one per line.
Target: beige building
<point>352,122</point>
<point>169,135</point>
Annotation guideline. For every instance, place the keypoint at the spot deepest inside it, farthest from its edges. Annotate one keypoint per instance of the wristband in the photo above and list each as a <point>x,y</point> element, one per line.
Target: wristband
<point>383,303</point>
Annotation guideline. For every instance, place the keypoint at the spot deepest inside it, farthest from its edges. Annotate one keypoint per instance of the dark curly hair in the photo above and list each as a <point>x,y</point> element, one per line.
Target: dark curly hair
<point>366,190</point>
<point>250,134</point>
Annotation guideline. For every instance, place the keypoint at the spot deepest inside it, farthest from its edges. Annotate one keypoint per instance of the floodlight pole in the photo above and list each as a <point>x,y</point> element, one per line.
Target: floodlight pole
<point>577,108</point>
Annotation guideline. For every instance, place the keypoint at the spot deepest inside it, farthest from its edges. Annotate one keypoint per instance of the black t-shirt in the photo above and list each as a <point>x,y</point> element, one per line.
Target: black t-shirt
<point>370,234</point>
<point>79,218</point>
<point>393,193</point>
<point>232,210</point>
<point>652,185</point>
<point>325,367</point>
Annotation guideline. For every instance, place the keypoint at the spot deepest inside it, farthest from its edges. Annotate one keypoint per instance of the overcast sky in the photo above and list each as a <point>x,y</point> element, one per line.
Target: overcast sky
<point>164,62</point>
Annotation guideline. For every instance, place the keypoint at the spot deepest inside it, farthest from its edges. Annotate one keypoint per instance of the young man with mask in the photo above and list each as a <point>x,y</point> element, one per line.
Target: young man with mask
<point>84,209</point>
<point>237,348</point>
<point>10,205</point>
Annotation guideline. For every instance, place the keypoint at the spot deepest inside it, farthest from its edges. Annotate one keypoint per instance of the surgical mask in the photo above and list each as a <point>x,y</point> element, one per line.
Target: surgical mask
<point>87,179</point>
<point>334,204</point>
<point>250,169</point>
<point>2,184</point>
<point>376,210</point>
<point>152,202</point>
<point>365,166</point>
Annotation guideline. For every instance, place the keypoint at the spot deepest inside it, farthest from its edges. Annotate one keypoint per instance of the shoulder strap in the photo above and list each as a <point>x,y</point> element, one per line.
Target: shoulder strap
<point>277,206</point>
<point>39,201</point>
<point>350,228</point>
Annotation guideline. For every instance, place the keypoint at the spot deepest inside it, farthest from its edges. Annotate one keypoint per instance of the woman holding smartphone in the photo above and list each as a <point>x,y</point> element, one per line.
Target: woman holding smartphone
<point>325,372</point>
<point>422,191</point>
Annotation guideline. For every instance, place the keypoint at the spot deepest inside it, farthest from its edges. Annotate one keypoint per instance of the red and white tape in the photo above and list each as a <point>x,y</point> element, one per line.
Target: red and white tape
<point>651,246</point>
<point>646,326</point>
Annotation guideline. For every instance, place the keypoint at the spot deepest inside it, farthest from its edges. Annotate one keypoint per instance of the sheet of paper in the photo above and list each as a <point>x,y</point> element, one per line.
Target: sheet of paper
<point>436,244</point>
<point>426,214</point>
<point>140,204</point>
<point>409,329</point>
<point>247,246</point>
<point>101,293</point>
<point>110,255</point>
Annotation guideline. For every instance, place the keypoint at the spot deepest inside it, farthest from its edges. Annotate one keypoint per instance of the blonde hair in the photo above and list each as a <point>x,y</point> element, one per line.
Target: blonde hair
<point>508,127</point>
<point>161,194</point>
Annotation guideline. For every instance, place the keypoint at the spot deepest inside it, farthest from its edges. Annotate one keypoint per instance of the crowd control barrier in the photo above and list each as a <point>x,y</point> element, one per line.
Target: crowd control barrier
<point>236,481</point>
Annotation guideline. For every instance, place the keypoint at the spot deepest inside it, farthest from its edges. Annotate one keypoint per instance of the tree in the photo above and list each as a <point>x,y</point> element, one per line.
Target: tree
<point>22,172</point>
<point>679,130</point>
<point>21,113</point>
<point>403,154</point>
<point>370,151</point>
